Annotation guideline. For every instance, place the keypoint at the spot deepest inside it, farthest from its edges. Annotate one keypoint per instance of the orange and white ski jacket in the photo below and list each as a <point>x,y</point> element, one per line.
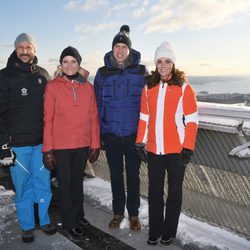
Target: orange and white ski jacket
<point>168,118</point>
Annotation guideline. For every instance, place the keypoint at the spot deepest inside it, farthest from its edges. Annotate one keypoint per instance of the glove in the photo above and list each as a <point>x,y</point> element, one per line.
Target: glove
<point>7,155</point>
<point>49,160</point>
<point>93,154</point>
<point>102,142</point>
<point>185,156</point>
<point>141,152</point>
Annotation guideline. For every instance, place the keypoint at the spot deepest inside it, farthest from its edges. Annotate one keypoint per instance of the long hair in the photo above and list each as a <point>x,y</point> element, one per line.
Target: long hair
<point>178,78</point>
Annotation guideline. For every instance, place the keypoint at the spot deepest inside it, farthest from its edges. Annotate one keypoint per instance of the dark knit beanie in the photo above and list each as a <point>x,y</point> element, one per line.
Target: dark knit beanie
<point>71,51</point>
<point>123,37</point>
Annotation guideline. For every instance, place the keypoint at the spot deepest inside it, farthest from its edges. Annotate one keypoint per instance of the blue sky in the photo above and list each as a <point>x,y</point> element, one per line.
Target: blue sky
<point>211,37</point>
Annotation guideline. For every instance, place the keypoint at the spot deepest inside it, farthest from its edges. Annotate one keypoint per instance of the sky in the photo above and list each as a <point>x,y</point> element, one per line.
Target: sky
<point>189,230</point>
<point>211,37</point>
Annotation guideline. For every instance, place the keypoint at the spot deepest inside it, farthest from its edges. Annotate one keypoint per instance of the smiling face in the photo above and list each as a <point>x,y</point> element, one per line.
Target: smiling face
<point>120,52</point>
<point>164,67</point>
<point>69,65</point>
<point>25,52</point>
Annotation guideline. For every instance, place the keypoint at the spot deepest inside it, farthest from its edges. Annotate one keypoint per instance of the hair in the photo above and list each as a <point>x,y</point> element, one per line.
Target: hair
<point>59,72</point>
<point>178,78</point>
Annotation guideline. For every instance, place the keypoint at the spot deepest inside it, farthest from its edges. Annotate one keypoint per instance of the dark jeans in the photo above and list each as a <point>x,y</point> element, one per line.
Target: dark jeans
<point>70,167</point>
<point>117,147</point>
<point>160,225</point>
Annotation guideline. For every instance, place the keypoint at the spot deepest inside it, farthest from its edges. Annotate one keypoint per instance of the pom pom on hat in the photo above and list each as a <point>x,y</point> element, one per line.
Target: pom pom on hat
<point>71,51</point>
<point>25,37</point>
<point>123,37</point>
<point>165,50</point>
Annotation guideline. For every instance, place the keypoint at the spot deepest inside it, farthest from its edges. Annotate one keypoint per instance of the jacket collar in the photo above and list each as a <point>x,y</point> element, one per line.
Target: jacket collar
<point>15,62</point>
<point>134,54</point>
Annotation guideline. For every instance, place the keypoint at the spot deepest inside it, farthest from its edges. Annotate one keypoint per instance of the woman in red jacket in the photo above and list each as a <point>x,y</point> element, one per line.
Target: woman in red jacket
<point>168,126</point>
<point>71,136</point>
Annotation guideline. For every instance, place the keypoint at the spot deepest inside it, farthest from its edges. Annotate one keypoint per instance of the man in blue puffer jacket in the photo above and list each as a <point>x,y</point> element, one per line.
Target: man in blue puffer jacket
<point>118,88</point>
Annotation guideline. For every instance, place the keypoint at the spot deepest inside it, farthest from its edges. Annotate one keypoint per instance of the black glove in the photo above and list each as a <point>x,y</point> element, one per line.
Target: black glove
<point>185,156</point>
<point>102,142</point>
<point>49,160</point>
<point>141,152</point>
<point>7,155</point>
<point>93,154</point>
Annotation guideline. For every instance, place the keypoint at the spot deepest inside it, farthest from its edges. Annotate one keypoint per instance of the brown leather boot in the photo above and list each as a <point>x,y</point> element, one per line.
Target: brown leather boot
<point>135,224</point>
<point>116,221</point>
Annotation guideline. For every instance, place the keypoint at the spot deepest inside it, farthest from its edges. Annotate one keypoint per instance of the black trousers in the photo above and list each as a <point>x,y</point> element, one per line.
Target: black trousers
<point>70,168</point>
<point>117,147</point>
<point>160,223</point>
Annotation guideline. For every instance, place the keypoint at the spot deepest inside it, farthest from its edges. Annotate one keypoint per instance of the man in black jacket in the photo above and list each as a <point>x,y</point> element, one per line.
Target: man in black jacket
<point>22,86</point>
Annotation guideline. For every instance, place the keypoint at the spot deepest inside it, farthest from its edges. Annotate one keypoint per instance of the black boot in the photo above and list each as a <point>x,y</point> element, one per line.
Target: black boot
<point>83,222</point>
<point>152,241</point>
<point>166,240</point>
<point>48,229</point>
<point>76,233</point>
<point>28,235</point>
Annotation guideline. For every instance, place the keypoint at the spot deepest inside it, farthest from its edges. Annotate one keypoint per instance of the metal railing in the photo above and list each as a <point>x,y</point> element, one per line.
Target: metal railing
<point>217,181</point>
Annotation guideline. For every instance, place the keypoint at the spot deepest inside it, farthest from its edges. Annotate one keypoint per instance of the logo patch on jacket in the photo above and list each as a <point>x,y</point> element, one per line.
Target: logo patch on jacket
<point>40,81</point>
<point>24,92</point>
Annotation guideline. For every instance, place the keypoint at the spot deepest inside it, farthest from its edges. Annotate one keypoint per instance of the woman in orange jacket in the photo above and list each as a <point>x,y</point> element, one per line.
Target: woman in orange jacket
<point>71,135</point>
<point>168,127</point>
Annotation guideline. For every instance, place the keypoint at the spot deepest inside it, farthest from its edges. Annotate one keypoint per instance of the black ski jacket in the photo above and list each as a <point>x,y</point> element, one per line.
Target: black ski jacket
<point>21,102</point>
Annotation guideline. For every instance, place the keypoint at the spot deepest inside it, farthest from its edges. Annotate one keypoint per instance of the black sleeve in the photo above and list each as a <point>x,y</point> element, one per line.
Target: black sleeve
<point>4,138</point>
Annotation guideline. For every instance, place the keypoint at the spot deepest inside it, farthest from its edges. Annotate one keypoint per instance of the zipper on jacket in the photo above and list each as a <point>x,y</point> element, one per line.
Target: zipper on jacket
<point>128,87</point>
<point>160,119</point>
<point>114,88</point>
<point>74,90</point>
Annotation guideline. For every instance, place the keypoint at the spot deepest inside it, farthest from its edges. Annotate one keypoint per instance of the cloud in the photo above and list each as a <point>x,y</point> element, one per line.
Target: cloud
<point>169,16</point>
<point>88,5</point>
<point>95,29</point>
<point>118,8</point>
<point>10,45</point>
<point>138,2</point>
<point>53,60</point>
<point>139,12</point>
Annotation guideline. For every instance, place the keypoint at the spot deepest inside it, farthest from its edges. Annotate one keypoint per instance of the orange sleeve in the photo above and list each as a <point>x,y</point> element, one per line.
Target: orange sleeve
<point>191,117</point>
<point>144,116</point>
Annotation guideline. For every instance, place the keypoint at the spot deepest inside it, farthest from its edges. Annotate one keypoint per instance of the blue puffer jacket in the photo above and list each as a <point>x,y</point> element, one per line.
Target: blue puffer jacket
<point>118,93</point>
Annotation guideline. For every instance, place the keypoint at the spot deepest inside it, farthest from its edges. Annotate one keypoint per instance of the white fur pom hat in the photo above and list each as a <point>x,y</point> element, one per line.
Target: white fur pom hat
<point>165,50</point>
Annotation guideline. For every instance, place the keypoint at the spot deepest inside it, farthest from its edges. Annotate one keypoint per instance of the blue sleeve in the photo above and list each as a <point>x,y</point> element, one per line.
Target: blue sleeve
<point>98,93</point>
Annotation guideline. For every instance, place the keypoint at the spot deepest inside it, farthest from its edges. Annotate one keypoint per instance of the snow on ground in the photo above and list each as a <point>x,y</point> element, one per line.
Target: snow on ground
<point>7,208</point>
<point>189,230</point>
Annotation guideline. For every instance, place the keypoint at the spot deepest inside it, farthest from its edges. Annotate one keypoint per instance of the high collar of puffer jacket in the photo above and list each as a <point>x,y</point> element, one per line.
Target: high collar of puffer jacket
<point>135,58</point>
<point>15,62</point>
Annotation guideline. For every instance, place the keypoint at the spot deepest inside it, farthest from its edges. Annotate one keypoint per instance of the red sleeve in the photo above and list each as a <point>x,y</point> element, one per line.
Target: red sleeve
<point>94,121</point>
<point>48,117</point>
